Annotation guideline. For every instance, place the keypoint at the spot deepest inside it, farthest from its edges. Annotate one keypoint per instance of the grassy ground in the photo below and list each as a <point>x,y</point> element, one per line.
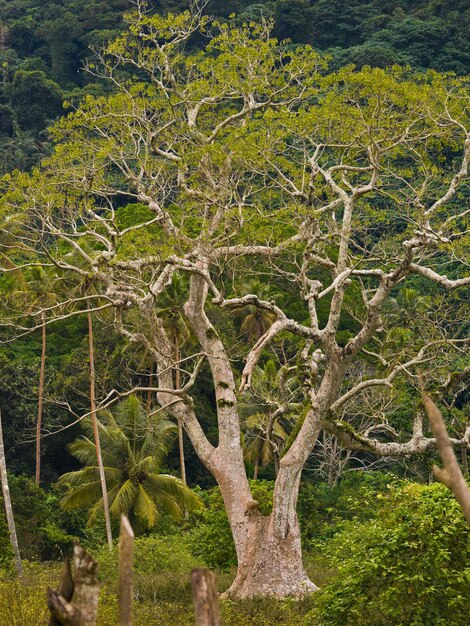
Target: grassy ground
<point>161,600</point>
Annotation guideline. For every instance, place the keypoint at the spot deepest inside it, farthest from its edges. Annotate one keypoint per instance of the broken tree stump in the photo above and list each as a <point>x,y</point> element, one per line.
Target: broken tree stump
<point>206,606</point>
<point>75,603</point>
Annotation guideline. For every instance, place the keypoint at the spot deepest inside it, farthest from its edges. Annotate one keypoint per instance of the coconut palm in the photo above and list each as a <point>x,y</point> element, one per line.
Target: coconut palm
<point>267,417</point>
<point>82,288</point>
<point>133,448</point>
<point>254,320</point>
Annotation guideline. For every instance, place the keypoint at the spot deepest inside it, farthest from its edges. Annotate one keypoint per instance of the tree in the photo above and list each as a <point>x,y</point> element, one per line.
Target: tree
<point>8,508</point>
<point>269,412</point>
<point>133,448</point>
<point>36,293</point>
<point>344,185</point>
<point>96,432</point>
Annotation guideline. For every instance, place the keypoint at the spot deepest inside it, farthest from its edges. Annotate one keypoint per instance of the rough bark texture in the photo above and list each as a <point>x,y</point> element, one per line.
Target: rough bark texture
<point>82,609</point>
<point>270,565</point>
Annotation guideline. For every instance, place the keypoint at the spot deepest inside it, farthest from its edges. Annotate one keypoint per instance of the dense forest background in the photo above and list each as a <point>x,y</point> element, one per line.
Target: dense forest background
<point>44,46</point>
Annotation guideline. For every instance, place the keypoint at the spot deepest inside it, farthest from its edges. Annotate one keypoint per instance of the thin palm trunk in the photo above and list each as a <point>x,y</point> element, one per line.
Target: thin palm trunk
<point>149,393</point>
<point>465,461</point>
<point>40,400</point>
<point>96,433</point>
<point>8,508</point>
<point>255,473</point>
<point>180,424</point>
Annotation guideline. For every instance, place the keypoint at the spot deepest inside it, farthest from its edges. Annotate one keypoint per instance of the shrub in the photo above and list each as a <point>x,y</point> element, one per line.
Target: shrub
<point>211,540</point>
<point>409,566</point>
<point>322,509</point>
<point>162,567</point>
<point>38,521</point>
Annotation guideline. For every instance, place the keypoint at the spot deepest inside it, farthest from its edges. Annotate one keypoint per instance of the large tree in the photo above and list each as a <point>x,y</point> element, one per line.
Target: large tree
<point>252,160</point>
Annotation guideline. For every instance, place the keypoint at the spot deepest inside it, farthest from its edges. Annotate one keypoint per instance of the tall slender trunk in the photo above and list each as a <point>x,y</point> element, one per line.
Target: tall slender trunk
<point>96,433</point>
<point>465,461</point>
<point>256,470</point>
<point>8,508</point>
<point>149,393</point>
<point>180,423</point>
<point>40,398</point>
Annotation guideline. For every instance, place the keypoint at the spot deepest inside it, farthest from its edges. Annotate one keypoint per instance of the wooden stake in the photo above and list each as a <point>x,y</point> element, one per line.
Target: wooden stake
<point>126,547</point>
<point>206,606</point>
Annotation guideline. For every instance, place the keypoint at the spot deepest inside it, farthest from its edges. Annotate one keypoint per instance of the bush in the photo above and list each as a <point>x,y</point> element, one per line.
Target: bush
<point>38,519</point>
<point>409,566</point>
<point>322,509</point>
<point>162,567</point>
<point>211,540</point>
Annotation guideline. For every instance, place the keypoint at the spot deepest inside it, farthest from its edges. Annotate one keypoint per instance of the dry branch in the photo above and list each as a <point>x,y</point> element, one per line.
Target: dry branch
<point>451,476</point>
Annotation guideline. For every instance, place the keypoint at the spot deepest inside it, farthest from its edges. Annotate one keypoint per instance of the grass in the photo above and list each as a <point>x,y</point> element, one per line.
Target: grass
<point>160,599</point>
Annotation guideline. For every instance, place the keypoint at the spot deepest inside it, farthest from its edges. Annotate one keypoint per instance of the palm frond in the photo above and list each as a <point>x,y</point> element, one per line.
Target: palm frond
<point>145,507</point>
<point>82,496</point>
<point>165,485</point>
<point>84,450</point>
<point>124,499</point>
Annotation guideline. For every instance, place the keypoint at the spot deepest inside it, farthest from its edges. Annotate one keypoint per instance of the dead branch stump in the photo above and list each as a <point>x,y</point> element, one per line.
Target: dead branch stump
<point>206,606</point>
<point>75,603</point>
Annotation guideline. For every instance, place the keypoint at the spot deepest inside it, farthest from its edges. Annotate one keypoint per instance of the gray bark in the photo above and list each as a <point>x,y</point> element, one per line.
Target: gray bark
<point>8,507</point>
<point>82,608</point>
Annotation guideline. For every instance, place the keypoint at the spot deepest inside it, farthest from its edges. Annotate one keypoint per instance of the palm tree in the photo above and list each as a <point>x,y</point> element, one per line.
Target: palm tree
<point>96,432</point>
<point>254,320</point>
<point>133,448</point>
<point>267,418</point>
<point>83,287</point>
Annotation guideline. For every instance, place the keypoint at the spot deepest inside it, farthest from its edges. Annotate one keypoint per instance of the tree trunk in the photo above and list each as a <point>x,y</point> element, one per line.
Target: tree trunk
<point>256,470</point>
<point>180,424</point>
<point>269,565</point>
<point>96,433</point>
<point>40,399</point>
<point>465,461</point>
<point>149,393</point>
<point>8,508</point>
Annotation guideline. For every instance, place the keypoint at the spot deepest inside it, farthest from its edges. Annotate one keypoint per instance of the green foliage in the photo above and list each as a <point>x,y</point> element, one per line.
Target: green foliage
<point>162,566</point>
<point>211,540</point>
<point>36,99</point>
<point>323,510</point>
<point>133,446</point>
<point>408,566</point>
<point>41,527</point>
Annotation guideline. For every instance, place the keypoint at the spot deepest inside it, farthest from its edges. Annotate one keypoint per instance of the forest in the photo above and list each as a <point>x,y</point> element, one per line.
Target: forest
<point>234,248</point>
